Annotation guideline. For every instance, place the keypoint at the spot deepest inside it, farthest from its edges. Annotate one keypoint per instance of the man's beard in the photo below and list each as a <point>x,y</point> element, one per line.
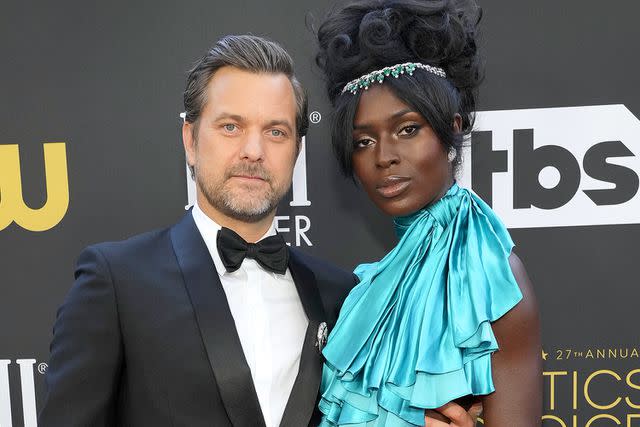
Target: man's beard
<point>241,203</point>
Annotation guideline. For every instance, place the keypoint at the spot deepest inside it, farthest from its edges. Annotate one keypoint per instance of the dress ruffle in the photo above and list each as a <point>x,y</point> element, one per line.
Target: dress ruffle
<point>415,333</point>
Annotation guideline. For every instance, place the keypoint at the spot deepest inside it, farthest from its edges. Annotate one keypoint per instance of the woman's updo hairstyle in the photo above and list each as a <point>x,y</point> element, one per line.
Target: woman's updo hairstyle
<point>369,35</point>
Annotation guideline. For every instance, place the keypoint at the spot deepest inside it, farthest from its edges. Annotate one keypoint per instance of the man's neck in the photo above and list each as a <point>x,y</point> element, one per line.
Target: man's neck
<point>249,231</point>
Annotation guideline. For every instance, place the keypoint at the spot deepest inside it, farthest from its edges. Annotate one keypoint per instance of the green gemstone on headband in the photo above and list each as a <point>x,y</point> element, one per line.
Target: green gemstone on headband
<point>394,70</point>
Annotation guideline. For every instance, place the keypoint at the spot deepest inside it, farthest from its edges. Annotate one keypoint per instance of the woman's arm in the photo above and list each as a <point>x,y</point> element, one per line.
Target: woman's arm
<point>517,366</point>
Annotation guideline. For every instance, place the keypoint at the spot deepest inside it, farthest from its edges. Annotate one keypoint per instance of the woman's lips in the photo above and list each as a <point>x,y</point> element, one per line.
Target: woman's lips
<point>392,186</point>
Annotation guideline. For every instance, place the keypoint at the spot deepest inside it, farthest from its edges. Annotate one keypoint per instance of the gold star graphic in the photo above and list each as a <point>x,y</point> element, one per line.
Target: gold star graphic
<point>544,355</point>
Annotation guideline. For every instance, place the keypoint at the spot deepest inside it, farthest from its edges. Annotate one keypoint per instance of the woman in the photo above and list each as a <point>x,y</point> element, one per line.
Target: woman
<point>423,326</point>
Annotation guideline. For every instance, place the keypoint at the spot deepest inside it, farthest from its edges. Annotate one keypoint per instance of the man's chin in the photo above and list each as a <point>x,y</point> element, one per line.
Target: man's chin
<point>249,207</point>
<point>248,215</point>
<point>243,204</point>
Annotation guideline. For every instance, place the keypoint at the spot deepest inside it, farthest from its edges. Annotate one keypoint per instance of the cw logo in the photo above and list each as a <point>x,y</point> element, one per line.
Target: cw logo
<point>12,206</point>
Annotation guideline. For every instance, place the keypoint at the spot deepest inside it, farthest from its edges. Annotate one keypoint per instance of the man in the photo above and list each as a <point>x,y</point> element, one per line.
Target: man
<point>191,325</point>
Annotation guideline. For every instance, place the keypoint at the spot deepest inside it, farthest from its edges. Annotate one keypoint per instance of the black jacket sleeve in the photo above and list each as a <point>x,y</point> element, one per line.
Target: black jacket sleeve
<point>86,351</point>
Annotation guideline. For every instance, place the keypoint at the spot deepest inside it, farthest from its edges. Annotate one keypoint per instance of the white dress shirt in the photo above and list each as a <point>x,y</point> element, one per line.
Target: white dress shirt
<point>269,318</point>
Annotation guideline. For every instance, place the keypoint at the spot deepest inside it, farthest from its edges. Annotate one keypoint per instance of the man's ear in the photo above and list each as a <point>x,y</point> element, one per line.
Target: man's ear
<point>298,147</point>
<point>189,142</point>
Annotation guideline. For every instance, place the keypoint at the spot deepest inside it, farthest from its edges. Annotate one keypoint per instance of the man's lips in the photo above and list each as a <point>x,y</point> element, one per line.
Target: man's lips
<point>392,186</point>
<point>249,177</point>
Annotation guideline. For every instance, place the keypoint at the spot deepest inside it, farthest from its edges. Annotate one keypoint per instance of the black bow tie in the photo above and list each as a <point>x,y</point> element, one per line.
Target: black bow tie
<point>271,252</point>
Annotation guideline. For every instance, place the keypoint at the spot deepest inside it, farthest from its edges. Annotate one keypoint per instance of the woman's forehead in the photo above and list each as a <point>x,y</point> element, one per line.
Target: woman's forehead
<point>378,104</point>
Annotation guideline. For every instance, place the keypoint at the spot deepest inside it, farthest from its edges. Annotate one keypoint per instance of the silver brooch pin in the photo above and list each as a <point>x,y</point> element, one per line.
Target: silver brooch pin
<point>321,338</point>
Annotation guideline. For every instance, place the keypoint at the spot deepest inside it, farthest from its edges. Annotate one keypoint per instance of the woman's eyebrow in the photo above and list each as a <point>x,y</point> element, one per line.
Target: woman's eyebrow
<point>359,126</point>
<point>402,113</point>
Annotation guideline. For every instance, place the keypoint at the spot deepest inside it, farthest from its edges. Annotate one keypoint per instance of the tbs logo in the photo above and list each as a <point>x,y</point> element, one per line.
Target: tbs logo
<point>556,167</point>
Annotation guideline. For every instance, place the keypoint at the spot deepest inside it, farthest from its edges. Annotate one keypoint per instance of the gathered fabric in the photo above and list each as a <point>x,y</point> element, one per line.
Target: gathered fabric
<point>415,333</point>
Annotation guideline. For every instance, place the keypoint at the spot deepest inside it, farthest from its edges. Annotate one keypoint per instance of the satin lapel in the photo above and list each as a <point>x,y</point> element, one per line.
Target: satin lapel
<point>216,324</point>
<point>304,395</point>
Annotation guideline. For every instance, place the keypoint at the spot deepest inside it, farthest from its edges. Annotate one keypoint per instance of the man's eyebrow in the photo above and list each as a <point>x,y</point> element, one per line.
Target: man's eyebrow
<point>391,117</point>
<point>285,123</point>
<point>225,116</point>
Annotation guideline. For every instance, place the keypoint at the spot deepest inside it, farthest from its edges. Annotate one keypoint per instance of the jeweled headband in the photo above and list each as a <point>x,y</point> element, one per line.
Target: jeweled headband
<point>394,70</point>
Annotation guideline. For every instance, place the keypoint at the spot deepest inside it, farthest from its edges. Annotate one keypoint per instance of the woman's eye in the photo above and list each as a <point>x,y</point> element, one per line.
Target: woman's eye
<point>361,143</point>
<point>230,127</point>
<point>409,130</point>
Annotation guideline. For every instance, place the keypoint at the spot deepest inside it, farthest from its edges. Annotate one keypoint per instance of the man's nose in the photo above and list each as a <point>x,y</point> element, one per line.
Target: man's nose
<point>253,147</point>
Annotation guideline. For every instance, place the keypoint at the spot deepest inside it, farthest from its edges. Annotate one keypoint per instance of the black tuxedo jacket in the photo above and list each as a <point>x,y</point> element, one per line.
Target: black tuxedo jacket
<point>145,337</point>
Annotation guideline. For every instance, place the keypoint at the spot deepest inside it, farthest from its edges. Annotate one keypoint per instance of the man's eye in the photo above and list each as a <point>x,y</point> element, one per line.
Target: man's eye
<point>230,127</point>
<point>277,133</point>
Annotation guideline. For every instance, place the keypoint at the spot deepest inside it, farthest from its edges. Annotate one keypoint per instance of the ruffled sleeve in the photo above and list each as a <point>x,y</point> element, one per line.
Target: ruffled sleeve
<point>481,285</point>
<point>416,332</point>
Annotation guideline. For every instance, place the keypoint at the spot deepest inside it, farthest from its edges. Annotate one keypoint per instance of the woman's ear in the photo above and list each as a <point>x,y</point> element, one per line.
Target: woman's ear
<point>457,123</point>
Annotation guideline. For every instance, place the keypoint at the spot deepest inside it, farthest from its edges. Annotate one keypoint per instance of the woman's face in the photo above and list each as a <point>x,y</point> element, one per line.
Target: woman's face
<point>397,156</point>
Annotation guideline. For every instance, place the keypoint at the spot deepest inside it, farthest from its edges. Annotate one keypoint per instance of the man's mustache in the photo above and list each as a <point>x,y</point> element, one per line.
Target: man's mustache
<point>253,170</point>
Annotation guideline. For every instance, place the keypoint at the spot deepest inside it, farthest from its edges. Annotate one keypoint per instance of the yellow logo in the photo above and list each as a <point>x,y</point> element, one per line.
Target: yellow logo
<point>12,206</point>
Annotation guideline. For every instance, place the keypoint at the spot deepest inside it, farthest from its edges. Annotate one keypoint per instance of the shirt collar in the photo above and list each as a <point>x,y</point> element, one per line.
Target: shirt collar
<point>209,230</point>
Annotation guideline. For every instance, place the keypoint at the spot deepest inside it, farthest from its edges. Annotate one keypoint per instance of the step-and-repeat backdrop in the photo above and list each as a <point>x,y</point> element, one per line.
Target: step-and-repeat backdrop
<point>90,151</point>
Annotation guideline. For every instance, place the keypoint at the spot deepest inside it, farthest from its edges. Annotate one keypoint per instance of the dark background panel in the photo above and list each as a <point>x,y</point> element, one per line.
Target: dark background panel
<point>107,78</point>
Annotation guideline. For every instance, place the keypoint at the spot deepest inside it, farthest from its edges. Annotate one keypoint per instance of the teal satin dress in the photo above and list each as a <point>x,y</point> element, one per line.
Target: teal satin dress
<point>415,333</point>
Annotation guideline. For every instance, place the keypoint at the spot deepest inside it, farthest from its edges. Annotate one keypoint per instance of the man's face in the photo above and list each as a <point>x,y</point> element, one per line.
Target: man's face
<point>245,146</point>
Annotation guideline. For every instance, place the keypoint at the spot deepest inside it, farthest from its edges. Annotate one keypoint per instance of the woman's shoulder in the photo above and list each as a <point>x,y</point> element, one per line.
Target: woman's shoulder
<point>529,302</point>
<point>522,323</point>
